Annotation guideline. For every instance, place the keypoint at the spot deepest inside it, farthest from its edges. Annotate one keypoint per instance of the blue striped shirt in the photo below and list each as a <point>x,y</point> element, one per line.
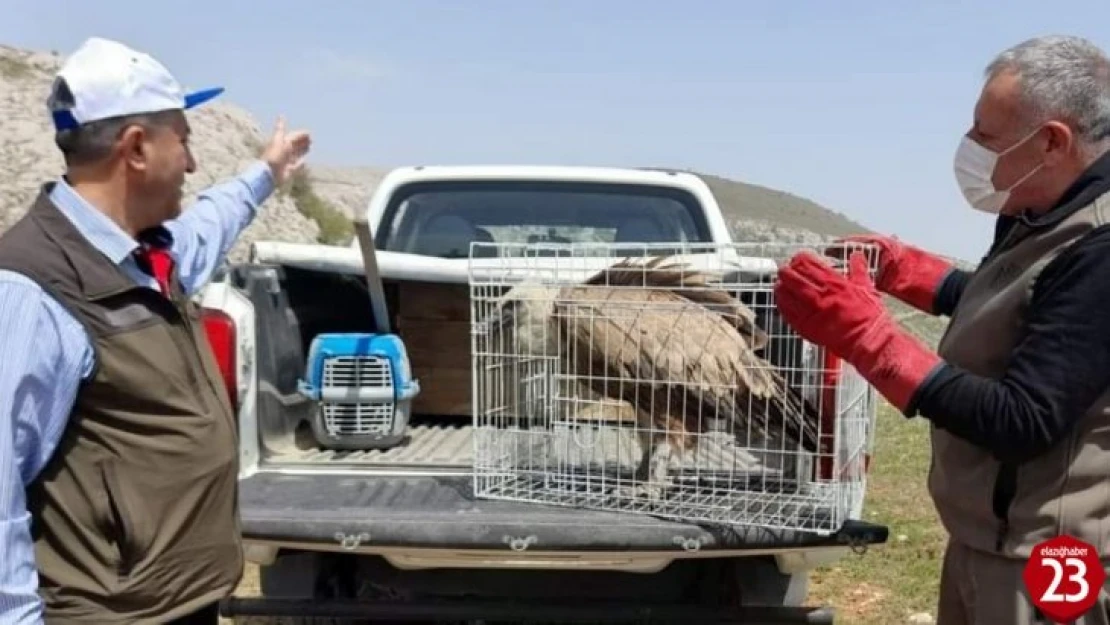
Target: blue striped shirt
<point>46,353</point>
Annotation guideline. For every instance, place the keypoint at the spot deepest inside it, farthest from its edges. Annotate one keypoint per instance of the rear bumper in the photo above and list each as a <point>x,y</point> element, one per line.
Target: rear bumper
<point>382,514</point>
<point>519,612</point>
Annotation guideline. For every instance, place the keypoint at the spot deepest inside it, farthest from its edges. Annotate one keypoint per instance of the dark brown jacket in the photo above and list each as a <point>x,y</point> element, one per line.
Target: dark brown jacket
<point>135,517</point>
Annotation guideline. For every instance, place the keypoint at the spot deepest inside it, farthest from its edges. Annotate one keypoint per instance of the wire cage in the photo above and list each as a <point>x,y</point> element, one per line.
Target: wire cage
<point>660,380</point>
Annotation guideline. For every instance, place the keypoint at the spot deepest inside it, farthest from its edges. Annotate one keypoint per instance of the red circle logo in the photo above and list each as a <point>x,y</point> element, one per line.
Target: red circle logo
<point>1064,576</point>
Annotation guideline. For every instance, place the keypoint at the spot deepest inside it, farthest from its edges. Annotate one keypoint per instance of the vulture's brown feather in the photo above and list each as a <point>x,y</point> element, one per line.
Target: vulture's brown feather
<point>690,284</point>
<point>664,355</point>
<point>680,351</point>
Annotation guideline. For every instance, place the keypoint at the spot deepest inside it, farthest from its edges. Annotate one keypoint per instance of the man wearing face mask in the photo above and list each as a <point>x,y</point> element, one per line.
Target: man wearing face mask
<point>1018,395</point>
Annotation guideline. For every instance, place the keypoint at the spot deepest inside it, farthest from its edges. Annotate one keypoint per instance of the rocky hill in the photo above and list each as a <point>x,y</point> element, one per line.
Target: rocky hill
<point>225,138</point>
<point>318,205</point>
<point>758,213</point>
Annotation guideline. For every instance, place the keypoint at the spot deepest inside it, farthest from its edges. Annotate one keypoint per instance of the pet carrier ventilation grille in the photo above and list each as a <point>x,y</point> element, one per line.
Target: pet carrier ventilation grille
<point>362,387</point>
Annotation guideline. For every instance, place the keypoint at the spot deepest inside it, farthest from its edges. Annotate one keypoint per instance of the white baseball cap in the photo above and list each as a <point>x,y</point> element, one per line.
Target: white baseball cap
<point>104,79</point>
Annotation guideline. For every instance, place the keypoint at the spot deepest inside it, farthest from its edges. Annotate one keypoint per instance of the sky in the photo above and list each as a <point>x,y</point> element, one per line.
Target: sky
<point>856,105</point>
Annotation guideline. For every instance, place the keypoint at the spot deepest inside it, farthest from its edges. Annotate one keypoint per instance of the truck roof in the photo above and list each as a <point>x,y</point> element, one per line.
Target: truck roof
<point>586,173</point>
<point>401,176</point>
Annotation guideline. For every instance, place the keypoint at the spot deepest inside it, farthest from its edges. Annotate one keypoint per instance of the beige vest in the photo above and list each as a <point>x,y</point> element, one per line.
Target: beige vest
<point>1066,490</point>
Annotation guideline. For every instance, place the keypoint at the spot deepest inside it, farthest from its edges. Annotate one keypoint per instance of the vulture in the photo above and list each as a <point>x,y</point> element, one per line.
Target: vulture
<point>683,353</point>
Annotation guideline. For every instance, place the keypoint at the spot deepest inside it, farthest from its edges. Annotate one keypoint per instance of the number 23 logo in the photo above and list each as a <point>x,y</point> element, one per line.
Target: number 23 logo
<point>1078,573</point>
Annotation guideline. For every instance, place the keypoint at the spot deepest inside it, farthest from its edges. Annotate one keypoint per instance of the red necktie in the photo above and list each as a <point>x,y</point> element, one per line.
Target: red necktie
<point>159,264</point>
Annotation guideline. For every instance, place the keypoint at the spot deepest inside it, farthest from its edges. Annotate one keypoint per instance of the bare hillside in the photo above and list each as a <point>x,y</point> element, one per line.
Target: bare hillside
<point>759,213</point>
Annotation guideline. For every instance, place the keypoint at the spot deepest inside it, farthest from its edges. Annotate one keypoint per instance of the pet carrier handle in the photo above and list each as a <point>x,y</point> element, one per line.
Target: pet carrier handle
<point>373,277</point>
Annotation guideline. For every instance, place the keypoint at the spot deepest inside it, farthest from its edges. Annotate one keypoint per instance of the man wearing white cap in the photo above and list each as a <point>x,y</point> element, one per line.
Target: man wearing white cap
<point>118,445</point>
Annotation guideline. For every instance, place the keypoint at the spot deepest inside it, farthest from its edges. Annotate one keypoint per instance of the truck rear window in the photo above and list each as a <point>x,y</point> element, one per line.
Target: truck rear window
<point>442,218</point>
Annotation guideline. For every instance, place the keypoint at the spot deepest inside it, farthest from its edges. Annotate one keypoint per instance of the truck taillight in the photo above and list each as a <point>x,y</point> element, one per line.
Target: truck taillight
<point>830,381</point>
<point>220,329</point>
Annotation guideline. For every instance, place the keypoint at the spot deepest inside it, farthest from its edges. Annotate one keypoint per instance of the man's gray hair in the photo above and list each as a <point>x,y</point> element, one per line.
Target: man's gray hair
<point>1065,78</point>
<point>92,142</point>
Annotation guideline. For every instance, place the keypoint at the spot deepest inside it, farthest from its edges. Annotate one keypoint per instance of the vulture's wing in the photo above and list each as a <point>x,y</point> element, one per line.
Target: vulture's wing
<point>634,344</point>
<point>688,283</point>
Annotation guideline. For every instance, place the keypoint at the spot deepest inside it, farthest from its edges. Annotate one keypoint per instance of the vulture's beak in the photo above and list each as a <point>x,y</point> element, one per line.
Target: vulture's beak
<point>502,319</point>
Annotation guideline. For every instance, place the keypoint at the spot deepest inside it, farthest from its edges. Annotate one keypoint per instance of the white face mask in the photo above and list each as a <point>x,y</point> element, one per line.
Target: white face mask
<point>974,169</point>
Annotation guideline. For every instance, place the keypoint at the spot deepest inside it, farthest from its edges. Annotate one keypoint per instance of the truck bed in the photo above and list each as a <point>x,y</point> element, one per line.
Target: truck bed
<point>450,448</point>
<point>380,511</point>
<point>421,493</point>
<point>430,448</point>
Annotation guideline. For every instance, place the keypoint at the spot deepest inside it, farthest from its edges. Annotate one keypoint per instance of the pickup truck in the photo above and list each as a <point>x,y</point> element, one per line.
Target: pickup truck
<point>346,521</point>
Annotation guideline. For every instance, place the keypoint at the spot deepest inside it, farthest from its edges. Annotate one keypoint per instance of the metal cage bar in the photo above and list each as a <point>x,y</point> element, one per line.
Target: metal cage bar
<point>659,379</point>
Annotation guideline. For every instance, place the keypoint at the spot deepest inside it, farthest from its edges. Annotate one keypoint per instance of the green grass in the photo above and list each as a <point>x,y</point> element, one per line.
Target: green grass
<point>888,583</point>
<point>335,228</point>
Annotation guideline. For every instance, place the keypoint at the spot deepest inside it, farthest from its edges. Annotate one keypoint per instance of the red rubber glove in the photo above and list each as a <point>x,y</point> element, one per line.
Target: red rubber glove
<point>846,315</point>
<point>905,272</point>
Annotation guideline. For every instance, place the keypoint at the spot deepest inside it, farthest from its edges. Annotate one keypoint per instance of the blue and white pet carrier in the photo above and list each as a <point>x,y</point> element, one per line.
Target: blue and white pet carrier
<point>363,387</point>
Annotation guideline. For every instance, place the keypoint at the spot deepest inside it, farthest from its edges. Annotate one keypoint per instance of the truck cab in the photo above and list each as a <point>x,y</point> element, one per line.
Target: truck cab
<point>350,509</point>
